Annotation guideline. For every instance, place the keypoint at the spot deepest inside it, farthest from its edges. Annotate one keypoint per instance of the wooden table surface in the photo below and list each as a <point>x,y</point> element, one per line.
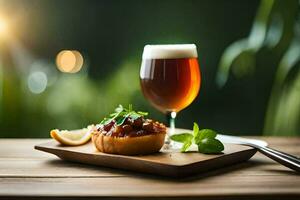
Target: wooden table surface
<point>26,173</point>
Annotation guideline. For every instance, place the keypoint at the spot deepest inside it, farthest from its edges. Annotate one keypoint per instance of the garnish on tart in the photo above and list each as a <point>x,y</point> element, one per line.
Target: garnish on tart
<point>128,132</point>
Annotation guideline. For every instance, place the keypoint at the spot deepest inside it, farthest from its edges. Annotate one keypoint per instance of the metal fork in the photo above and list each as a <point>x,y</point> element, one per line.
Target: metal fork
<point>285,159</point>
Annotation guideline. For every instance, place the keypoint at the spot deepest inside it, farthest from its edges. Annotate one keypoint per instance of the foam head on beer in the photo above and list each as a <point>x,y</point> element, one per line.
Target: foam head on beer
<point>170,51</point>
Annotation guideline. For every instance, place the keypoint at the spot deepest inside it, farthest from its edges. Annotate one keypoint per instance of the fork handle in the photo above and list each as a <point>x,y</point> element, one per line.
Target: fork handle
<point>285,159</point>
<point>289,156</point>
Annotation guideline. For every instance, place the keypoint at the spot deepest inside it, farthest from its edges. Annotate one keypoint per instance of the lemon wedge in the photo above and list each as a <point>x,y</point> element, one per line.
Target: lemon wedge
<point>72,137</point>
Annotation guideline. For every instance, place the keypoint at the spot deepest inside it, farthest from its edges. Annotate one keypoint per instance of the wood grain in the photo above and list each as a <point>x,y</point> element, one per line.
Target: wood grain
<point>25,172</point>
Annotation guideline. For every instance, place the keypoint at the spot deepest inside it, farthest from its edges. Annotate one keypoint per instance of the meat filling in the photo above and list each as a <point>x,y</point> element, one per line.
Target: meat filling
<point>132,128</point>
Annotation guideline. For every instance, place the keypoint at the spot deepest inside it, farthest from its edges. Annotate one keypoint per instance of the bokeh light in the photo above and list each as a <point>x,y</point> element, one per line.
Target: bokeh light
<point>79,61</point>
<point>3,26</point>
<point>37,82</point>
<point>69,61</point>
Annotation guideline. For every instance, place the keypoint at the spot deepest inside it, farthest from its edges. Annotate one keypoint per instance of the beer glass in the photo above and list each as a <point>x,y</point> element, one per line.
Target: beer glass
<point>170,78</point>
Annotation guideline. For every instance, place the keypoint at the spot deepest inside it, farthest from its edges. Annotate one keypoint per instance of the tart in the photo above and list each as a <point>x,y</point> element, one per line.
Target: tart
<point>135,136</point>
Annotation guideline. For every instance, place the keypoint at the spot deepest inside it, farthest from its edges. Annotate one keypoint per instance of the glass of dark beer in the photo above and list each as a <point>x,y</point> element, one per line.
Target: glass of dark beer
<point>170,78</point>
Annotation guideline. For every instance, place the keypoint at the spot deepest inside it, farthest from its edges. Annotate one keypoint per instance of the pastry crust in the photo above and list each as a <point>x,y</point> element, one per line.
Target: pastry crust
<point>139,145</point>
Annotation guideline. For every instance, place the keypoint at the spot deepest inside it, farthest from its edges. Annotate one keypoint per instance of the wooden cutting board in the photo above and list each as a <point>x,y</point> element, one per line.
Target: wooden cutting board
<point>166,163</point>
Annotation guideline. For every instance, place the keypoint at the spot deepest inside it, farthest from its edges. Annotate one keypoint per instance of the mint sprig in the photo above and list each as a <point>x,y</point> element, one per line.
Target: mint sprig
<point>121,114</point>
<point>205,139</point>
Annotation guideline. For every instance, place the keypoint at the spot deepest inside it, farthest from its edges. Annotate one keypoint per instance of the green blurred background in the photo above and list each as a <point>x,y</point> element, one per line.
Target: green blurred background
<point>249,52</point>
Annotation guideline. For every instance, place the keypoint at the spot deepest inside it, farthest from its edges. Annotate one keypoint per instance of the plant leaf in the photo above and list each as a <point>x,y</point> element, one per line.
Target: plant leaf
<point>210,146</point>
<point>105,121</point>
<point>196,132</point>
<point>182,137</point>
<point>121,120</point>
<point>119,109</point>
<point>122,113</point>
<point>195,129</point>
<point>142,113</point>
<point>186,145</point>
<point>134,115</point>
<point>129,107</point>
<point>205,133</point>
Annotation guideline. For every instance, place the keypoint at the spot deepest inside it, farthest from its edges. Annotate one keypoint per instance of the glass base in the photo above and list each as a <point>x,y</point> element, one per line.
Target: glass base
<point>172,147</point>
<point>169,144</point>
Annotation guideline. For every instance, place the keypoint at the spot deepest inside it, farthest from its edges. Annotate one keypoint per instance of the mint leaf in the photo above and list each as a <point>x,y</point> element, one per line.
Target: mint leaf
<point>195,130</point>
<point>205,133</point>
<point>134,115</point>
<point>129,107</point>
<point>105,121</point>
<point>121,114</point>
<point>142,113</point>
<point>210,146</point>
<point>186,145</point>
<point>205,139</point>
<point>119,109</point>
<point>121,120</point>
<point>183,137</point>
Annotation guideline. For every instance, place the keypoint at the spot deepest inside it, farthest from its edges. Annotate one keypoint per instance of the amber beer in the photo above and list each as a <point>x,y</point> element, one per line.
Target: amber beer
<point>170,76</point>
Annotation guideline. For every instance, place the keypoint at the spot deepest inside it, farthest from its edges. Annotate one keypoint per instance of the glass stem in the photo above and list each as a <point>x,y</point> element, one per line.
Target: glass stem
<point>171,120</point>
